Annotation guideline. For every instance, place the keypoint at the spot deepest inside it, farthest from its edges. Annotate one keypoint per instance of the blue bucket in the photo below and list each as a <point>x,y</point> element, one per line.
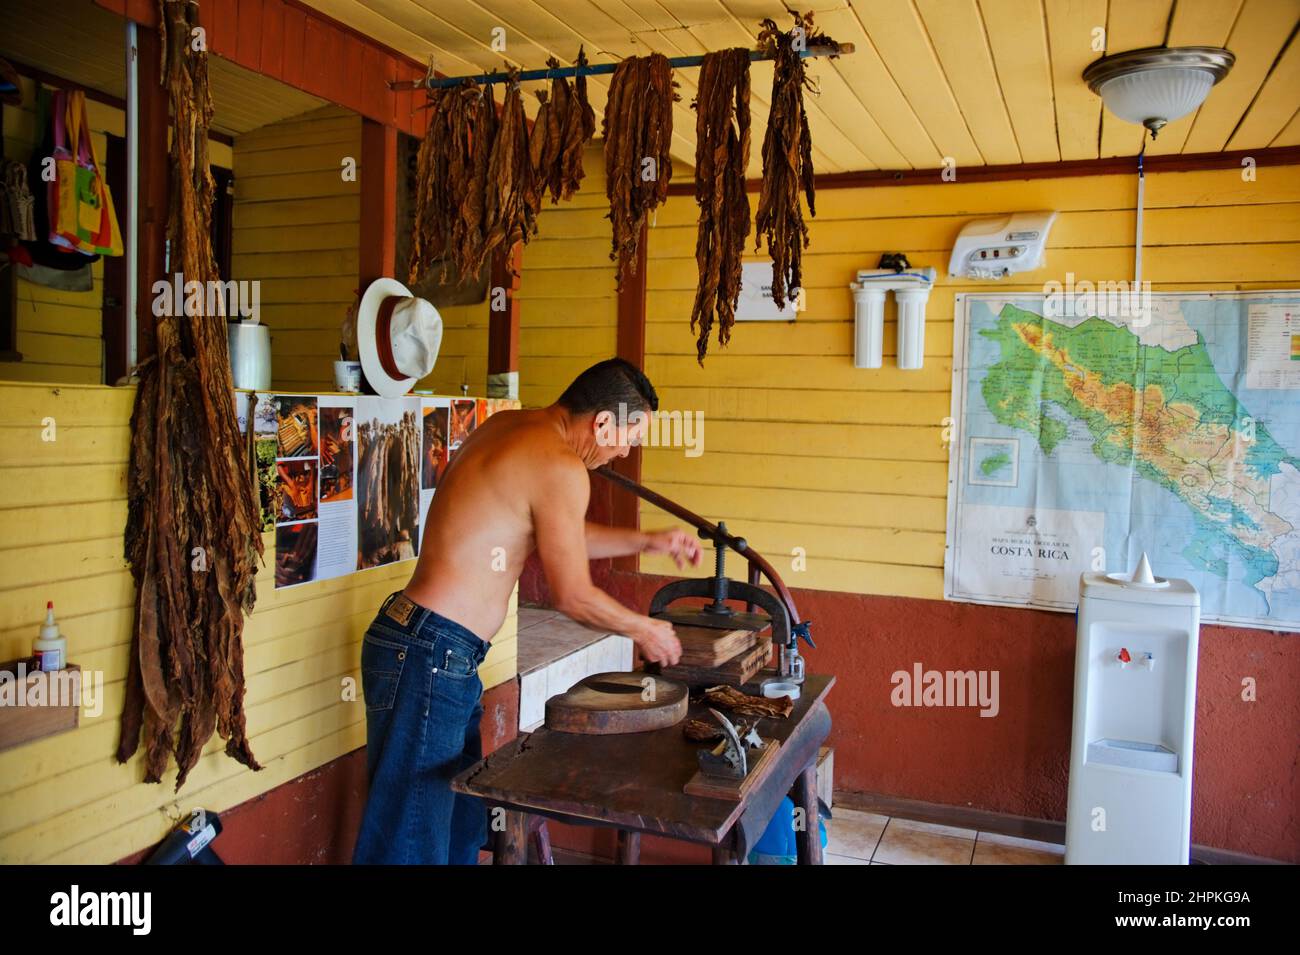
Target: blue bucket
<point>777,844</point>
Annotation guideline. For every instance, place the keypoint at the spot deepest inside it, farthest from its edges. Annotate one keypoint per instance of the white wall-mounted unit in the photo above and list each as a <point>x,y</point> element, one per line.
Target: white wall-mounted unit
<point>911,290</point>
<point>1001,245</point>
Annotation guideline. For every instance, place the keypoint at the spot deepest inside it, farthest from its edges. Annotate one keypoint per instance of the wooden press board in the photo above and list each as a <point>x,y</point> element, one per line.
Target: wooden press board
<point>606,703</point>
<point>710,647</point>
<point>737,671</point>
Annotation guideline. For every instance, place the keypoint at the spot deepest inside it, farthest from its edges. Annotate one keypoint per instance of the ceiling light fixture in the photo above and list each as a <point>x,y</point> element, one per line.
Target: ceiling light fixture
<point>1159,84</point>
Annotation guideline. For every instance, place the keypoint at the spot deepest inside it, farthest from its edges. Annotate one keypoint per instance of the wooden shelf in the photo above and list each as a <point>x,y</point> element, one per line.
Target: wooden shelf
<point>35,704</point>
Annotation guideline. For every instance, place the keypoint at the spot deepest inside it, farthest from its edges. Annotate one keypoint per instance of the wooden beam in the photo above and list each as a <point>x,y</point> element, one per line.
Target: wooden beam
<point>503,323</point>
<point>98,96</point>
<point>291,41</point>
<point>630,339</point>
<point>154,178</point>
<point>1115,165</point>
<point>377,234</point>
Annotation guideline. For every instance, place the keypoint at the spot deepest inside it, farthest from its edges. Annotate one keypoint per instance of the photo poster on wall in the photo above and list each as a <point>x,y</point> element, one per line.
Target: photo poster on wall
<point>464,419</point>
<point>434,448</point>
<point>336,552</point>
<point>388,479</point>
<point>297,487</point>
<point>304,459</point>
<point>345,481</point>
<point>447,422</point>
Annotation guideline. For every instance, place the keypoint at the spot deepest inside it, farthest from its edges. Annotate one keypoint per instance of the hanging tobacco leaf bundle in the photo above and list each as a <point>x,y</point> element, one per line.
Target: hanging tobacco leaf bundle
<point>563,127</point>
<point>543,141</point>
<point>473,202</point>
<point>429,237</point>
<point>638,129</point>
<point>512,199</point>
<point>579,128</point>
<point>721,157</point>
<point>451,171</point>
<point>192,536</point>
<point>787,155</point>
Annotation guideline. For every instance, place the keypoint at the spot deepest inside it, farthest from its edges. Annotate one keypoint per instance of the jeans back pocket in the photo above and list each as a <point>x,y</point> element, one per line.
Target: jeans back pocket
<point>381,671</point>
<point>455,662</point>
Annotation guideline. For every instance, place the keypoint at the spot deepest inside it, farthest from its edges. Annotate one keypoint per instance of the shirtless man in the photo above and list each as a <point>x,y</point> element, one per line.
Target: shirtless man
<point>519,483</point>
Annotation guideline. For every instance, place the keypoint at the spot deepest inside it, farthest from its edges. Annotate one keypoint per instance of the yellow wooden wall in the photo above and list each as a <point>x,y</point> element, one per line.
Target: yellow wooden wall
<point>568,300</point>
<point>568,305</point>
<point>62,512</point>
<point>296,226</point>
<point>804,450</point>
<point>59,333</point>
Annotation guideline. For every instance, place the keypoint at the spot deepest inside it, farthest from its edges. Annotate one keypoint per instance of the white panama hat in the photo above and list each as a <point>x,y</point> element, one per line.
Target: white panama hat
<point>398,336</point>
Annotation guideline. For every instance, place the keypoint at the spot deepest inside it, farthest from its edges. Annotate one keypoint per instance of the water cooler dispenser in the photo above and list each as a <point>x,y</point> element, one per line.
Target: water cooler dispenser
<point>1130,796</point>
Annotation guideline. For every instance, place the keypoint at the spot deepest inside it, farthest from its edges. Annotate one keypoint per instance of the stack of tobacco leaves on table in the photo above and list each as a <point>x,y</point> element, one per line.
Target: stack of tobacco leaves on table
<point>192,533</point>
<point>721,157</point>
<point>787,156</point>
<point>638,129</point>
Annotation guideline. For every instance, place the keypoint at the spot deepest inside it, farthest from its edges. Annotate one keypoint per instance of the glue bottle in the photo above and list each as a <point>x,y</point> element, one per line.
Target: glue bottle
<point>51,647</point>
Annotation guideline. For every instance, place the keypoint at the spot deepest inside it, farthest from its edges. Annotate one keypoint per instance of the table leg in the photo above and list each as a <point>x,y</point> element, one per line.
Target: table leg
<point>629,847</point>
<point>512,841</point>
<point>808,841</point>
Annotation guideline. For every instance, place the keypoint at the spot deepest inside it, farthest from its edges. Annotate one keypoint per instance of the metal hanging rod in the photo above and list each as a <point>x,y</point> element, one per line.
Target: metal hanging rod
<point>594,69</point>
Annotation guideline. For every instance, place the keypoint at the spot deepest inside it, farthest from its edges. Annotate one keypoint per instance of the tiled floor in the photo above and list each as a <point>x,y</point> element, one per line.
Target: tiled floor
<point>865,838</point>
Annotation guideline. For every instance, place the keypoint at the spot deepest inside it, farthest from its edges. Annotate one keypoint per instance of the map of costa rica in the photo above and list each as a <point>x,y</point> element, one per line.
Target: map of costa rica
<point>1141,434</point>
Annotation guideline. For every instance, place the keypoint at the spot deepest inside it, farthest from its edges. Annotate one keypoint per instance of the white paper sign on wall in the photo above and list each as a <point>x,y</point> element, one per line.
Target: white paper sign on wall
<point>755,303</point>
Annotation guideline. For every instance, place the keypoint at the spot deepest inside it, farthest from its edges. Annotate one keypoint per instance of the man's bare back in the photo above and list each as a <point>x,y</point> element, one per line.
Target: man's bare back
<point>479,530</point>
<point>519,483</point>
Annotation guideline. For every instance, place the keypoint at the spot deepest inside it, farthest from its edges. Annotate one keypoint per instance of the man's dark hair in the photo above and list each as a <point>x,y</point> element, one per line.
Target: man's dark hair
<point>606,385</point>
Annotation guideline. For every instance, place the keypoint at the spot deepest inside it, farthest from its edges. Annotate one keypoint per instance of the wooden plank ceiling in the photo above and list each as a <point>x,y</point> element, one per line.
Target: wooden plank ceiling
<point>985,82</point>
<point>85,44</point>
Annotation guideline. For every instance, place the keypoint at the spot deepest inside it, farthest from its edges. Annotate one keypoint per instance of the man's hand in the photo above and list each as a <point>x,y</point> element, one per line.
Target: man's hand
<point>658,642</point>
<point>683,547</point>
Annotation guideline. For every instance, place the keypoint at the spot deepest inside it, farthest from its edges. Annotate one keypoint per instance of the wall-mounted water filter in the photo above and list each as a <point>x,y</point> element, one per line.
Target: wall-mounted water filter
<point>1000,245</point>
<point>1130,794</point>
<point>911,290</point>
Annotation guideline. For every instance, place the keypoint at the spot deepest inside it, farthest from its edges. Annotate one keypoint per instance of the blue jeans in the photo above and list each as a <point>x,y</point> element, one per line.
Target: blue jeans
<point>419,675</point>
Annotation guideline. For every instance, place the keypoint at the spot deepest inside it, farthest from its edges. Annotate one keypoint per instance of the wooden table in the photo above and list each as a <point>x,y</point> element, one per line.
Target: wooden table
<point>633,782</point>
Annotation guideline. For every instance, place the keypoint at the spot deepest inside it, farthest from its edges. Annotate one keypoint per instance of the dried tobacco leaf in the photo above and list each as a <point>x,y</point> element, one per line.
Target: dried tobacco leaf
<point>565,128</point>
<point>787,155</point>
<point>451,172</point>
<point>638,129</point>
<point>721,157</point>
<point>189,489</point>
<point>738,701</point>
<point>512,199</point>
<point>543,142</point>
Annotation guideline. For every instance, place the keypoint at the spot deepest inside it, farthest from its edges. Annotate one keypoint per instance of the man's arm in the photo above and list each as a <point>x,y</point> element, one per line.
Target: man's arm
<point>605,541</point>
<point>559,503</point>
